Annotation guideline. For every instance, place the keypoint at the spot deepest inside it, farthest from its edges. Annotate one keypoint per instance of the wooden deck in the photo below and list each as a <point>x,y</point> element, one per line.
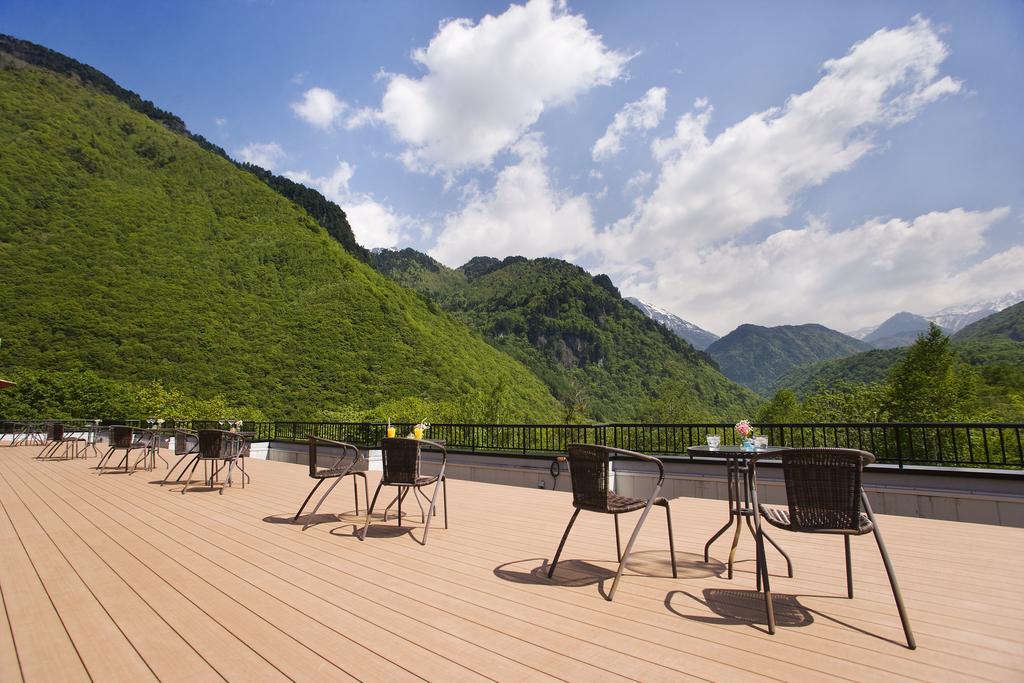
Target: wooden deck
<point>115,578</point>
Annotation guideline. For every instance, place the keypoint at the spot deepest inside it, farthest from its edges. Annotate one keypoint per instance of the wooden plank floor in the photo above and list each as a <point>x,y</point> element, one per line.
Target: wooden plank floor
<point>115,578</point>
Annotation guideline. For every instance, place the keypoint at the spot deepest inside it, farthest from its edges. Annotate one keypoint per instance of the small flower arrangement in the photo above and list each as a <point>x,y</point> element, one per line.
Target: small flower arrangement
<point>745,429</point>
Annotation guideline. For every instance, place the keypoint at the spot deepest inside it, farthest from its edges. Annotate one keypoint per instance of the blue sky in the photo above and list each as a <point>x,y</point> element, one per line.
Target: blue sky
<point>735,162</point>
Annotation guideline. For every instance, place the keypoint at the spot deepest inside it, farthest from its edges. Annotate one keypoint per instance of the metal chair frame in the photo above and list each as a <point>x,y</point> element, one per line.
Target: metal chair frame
<point>575,452</point>
<point>127,439</point>
<point>219,444</point>
<point>404,473</point>
<point>57,437</point>
<point>333,472</point>
<point>184,451</point>
<point>797,485</point>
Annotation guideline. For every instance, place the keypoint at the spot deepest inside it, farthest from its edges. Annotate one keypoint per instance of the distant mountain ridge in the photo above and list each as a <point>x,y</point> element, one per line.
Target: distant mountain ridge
<point>696,335</point>
<point>757,356</point>
<point>951,319</point>
<point>994,346</point>
<point>575,331</point>
<point>899,330</point>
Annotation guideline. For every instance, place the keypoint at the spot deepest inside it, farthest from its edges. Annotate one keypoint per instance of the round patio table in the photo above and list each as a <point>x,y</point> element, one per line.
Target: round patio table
<point>737,462</point>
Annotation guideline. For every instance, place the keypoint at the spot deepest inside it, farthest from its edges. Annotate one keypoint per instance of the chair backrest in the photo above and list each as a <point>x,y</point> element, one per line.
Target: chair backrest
<point>185,442</point>
<point>55,431</point>
<point>217,444</point>
<point>588,469</point>
<point>823,487</point>
<point>346,449</point>
<point>121,436</point>
<point>400,460</point>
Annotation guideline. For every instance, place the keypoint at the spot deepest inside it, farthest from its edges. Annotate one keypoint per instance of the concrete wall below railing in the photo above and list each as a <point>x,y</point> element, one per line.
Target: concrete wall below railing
<point>959,495</point>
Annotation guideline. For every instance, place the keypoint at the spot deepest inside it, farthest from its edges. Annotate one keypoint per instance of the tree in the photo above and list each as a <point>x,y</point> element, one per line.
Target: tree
<point>931,384</point>
<point>782,408</point>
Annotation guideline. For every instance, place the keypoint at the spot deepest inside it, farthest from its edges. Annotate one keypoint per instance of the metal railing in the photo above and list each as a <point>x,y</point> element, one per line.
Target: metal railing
<point>938,444</point>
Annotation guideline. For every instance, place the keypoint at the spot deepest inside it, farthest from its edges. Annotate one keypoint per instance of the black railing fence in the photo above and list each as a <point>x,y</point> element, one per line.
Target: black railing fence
<point>952,444</point>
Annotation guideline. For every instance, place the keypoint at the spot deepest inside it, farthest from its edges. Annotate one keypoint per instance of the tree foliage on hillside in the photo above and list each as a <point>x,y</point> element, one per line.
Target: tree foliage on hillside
<point>933,380</point>
<point>600,356</point>
<point>131,253</point>
<point>324,211</point>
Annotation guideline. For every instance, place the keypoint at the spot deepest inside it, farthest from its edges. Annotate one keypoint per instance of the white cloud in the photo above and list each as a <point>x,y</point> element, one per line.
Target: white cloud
<point>374,224</point>
<point>637,182</point>
<point>487,83</point>
<point>220,121</point>
<point>712,190</point>
<point>845,280</point>
<point>523,215</point>
<point>320,107</point>
<point>644,114</point>
<point>263,154</point>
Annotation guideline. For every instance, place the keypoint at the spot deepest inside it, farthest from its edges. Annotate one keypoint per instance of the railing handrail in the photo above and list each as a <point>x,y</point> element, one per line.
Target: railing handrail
<point>950,444</point>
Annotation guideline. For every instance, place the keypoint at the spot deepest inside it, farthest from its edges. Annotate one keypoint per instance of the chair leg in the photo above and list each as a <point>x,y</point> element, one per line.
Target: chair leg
<point>629,549</point>
<point>565,535</point>
<point>366,491</point>
<point>893,583</point>
<point>355,493</point>
<point>189,480</point>
<point>323,498</point>
<point>849,568</point>
<point>763,576</point>
<point>671,541</point>
<point>171,470</point>
<point>303,506</point>
<point>401,495</point>
<point>369,511</point>
<point>432,512</point>
<point>618,546</point>
<point>444,494</point>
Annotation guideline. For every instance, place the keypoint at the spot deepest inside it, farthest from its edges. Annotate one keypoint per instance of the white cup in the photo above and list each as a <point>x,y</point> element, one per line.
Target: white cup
<point>713,441</point>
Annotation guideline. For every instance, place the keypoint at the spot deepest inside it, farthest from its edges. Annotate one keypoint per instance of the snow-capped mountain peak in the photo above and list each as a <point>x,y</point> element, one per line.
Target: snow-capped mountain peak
<point>696,335</point>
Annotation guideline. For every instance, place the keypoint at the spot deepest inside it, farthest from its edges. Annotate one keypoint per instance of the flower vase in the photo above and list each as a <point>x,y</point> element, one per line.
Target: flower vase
<point>748,444</point>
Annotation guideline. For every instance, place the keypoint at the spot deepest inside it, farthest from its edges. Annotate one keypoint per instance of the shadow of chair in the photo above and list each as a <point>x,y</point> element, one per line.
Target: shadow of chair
<point>589,472</point>
<point>824,495</point>
<point>738,607</point>
<point>338,470</point>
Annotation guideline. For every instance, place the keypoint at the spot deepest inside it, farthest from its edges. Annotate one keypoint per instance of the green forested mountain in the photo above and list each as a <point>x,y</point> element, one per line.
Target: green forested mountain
<point>1007,324</point>
<point>863,368</point>
<point>756,356</point>
<point>599,355</point>
<point>993,347</point>
<point>325,212</point>
<point>899,330</point>
<point>131,254</point>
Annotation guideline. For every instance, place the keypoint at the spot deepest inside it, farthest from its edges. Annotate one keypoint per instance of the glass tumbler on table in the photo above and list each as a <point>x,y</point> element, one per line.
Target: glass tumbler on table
<point>713,441</point>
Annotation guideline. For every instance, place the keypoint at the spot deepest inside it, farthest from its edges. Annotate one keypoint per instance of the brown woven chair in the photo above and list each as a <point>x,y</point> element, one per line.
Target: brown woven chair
<point>220,447</point>
<point>125,439</point>
<point>588,470</point>
<point>824,495</point>
<point>186,447</point>
<point>401,463</point>
<point>336,471</point>
<point>57,437</point>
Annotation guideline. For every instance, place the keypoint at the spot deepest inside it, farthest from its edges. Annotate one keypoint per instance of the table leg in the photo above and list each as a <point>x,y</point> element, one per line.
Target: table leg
<point>732,514</point>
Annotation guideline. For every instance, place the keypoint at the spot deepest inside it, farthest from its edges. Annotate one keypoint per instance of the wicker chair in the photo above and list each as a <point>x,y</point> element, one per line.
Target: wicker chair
<point>186,447</point>
<point>57,437</point>
<point>217,446</point>
<point>824,495</point>
<point>401,464</point>
<point>336,471</point>
<point>588,469</point>
<point>125,439</point>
